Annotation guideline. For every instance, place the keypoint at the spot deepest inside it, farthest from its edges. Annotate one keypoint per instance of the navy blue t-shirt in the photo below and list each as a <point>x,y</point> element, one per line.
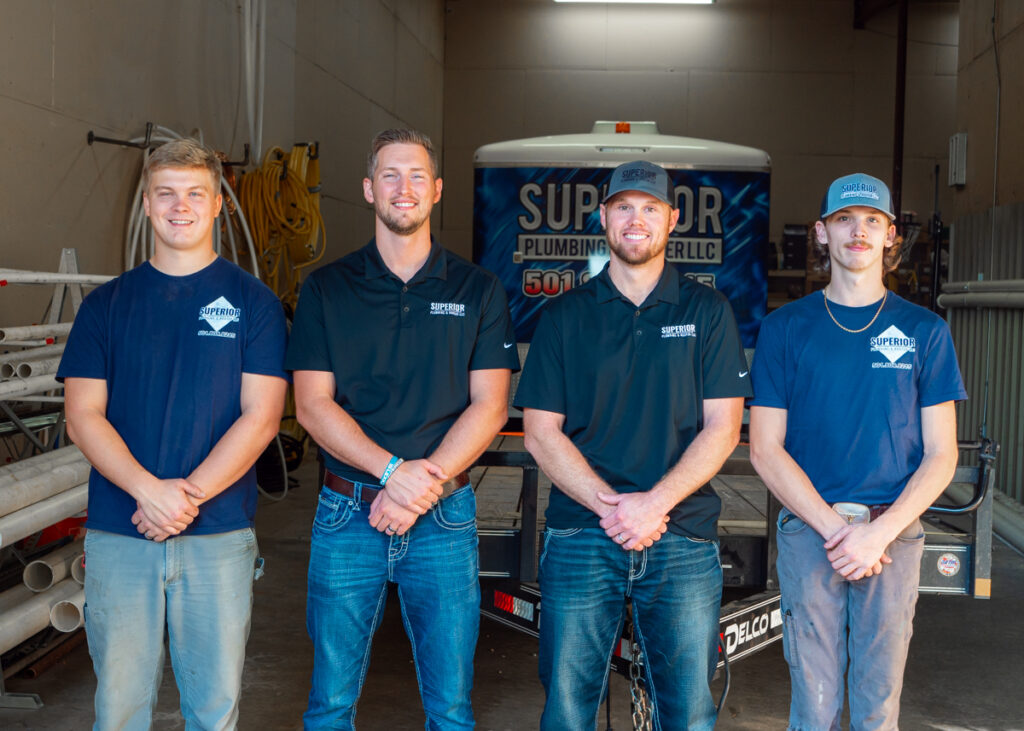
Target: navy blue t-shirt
<point>172,351</point>
<point>401,352</point>
<point>854,400</point>
<point>631,382</point>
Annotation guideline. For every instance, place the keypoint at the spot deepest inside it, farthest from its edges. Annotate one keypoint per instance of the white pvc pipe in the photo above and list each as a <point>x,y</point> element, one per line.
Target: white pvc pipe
<point>7,370</point>
<point>24,620</point>
<point>37,367</point>
<point>33,465</point>
<point>22,493</point>
<point>14,596</point>
<point>67,615</point>
<point>17,276</point>
<point>28,386</point>
<point>78,569</point>
<point>20,356</point>
<point>41,574</point>
<point>33,332</point>
<point>35,517</point>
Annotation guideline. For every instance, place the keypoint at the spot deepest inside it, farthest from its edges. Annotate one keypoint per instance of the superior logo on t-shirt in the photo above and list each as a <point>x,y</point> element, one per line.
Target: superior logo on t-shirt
<point>679,331</point>
<point>217,314</point>
<point>453,309</point>
<point>893,344</point>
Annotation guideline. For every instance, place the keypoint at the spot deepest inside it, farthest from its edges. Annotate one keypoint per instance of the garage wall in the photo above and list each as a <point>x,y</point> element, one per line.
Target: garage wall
<point>789,76</point>
<point>337,71</point>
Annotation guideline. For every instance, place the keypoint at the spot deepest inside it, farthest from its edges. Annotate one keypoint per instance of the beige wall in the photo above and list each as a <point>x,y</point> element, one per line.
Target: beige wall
<point>976,103</point>
<point>791,77</point>
<point>337,71</point>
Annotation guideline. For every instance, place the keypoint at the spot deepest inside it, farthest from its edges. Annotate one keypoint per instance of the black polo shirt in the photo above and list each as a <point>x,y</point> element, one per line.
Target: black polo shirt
<point>631,382</point>
<point>401,353</point>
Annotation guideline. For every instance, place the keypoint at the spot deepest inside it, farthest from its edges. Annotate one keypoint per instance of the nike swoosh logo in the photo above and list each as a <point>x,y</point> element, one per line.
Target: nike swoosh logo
<point>743,373</point>
<point>508,345</point>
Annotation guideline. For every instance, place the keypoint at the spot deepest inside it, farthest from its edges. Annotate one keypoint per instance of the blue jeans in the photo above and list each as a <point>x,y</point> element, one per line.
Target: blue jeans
<point>828,621</point>
<point>435,565</point>
<point>200,589</point>
<point>676,590</point>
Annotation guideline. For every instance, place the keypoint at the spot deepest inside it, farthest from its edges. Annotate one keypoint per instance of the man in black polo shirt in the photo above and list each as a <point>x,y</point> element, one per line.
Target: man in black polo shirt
<point>633,396</point>
<point>402,355</point>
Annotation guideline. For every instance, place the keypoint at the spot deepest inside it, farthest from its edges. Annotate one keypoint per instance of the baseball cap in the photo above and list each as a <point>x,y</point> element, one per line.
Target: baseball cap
<point>642,176</point>
<point>857,189</point>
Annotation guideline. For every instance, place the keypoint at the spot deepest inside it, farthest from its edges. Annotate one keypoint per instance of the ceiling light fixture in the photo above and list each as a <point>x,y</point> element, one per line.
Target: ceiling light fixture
<point>641,2</point>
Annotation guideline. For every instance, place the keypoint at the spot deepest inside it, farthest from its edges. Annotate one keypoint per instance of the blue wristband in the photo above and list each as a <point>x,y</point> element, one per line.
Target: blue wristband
<point>392,466</point>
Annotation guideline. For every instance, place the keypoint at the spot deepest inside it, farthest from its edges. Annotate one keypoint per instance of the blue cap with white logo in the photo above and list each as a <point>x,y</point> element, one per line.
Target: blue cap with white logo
<point>858,189</point>
<point>644,177</point>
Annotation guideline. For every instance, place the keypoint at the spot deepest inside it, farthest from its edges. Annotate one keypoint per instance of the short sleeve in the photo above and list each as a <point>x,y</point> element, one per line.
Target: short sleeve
<point>769,368</point>
<point>495,345</point>
<point>542,384</point>
<point>307,344</point>
<point>265,338</point>
<point>724,366</point>
<point>85,354</point>
<point>940,378</point>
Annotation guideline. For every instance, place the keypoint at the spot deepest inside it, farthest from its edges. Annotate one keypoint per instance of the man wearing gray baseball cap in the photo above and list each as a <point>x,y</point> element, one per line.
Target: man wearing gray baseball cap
<point>852,427</point>
<point>633,397</point>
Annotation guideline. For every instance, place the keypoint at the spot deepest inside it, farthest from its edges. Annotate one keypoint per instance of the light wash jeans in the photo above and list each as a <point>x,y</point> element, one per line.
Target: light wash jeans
<point>829,622</point>
<point>435,565</point>
<point>197,587</point>
<point>675,588</point>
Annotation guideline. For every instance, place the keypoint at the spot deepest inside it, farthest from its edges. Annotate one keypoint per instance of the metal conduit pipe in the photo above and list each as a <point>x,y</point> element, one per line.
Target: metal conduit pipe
<point>37,367</point>
<point>21,276</point>
<point>985,285</point>
<point>35,517</point>
<point>28,386</point>
<point>67,615</point>
<point>20,356</point>
<point>20,622</point>
<point>44,460</point>
<point>996,300</point>
<point>34,332</point>
<point>41,574</point>
<point>61,478</point>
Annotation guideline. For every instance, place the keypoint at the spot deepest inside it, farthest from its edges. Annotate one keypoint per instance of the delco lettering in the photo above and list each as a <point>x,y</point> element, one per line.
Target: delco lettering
<point>744,632</point>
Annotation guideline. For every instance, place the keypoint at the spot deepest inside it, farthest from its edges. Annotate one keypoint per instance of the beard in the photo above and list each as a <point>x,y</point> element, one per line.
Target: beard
<point>634,257</point>
<point>402,226</point>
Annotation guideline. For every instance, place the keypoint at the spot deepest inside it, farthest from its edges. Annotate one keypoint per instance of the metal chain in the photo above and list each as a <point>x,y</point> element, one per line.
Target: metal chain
<point>639,700</point>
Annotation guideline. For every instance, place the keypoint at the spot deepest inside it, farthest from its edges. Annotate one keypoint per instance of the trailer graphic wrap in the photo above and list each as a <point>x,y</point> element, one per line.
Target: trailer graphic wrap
<point>539,230</point>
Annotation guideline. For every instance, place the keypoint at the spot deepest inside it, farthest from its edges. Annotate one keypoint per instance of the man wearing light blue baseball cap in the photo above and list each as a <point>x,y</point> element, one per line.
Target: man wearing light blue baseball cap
<point>852,415</point>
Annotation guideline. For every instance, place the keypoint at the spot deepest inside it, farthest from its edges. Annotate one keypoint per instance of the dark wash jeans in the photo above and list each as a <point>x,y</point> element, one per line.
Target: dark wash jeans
<point>676,590</point>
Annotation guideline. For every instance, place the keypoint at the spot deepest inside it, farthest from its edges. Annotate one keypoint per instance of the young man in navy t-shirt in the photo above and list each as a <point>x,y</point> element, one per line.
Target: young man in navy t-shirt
<point>854,392</point>
<point>174,384</point>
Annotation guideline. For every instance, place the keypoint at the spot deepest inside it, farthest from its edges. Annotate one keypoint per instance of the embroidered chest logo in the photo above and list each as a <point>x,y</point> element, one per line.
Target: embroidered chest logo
<point>679,331</point>
<point>218,314</point>
<point>893,344</point>
<point>452,309</point>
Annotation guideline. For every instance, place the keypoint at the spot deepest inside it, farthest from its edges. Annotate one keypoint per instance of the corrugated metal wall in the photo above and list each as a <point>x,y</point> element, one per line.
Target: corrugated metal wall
<point>990,342</point>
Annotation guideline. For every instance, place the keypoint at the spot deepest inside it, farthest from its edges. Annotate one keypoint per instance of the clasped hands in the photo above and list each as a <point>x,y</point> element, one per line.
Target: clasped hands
<point>412,489</point>
<point>634,520</point>
<point>857,551</point>
<point>166,507</point>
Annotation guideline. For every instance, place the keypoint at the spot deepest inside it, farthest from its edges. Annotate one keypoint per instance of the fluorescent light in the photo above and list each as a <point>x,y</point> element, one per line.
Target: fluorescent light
<point>641,2</point>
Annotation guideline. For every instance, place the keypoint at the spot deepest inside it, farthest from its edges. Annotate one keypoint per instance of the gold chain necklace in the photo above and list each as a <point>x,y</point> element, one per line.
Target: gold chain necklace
<point>839,325</point>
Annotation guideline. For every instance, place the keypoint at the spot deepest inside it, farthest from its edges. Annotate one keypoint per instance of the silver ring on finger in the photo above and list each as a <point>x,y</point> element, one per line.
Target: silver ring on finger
<point>389,530</point>
<point>620,538</point>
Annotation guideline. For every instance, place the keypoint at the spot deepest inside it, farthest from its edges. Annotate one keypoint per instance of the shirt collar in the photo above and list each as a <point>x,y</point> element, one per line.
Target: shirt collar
<point>435,267</point>
<point>666,290</point>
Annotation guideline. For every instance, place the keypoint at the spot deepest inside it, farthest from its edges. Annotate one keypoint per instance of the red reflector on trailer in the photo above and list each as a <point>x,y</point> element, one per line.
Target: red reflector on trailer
<point>513,605</point>
<point>622,128</point>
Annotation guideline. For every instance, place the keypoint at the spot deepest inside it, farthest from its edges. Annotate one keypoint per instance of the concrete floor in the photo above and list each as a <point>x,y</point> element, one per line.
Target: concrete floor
<point>963,673</point>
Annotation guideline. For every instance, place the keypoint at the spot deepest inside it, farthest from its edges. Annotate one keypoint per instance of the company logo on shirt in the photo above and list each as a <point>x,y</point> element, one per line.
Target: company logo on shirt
<point>218,314</point>
<point>893,344</point>
<point>679,331</point>
<point>452,309</point>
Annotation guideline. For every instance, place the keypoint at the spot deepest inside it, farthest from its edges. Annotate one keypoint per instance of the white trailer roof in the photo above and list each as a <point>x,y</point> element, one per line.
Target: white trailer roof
<point>604,147</point>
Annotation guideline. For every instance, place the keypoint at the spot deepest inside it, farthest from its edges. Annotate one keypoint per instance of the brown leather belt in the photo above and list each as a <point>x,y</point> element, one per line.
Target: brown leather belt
<point>877,510</point>
<point>368,494</point>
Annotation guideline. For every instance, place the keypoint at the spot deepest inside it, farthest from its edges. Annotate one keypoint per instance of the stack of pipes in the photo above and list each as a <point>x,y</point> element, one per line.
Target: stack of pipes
<point>31,370</point>
<point>34,494</point>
